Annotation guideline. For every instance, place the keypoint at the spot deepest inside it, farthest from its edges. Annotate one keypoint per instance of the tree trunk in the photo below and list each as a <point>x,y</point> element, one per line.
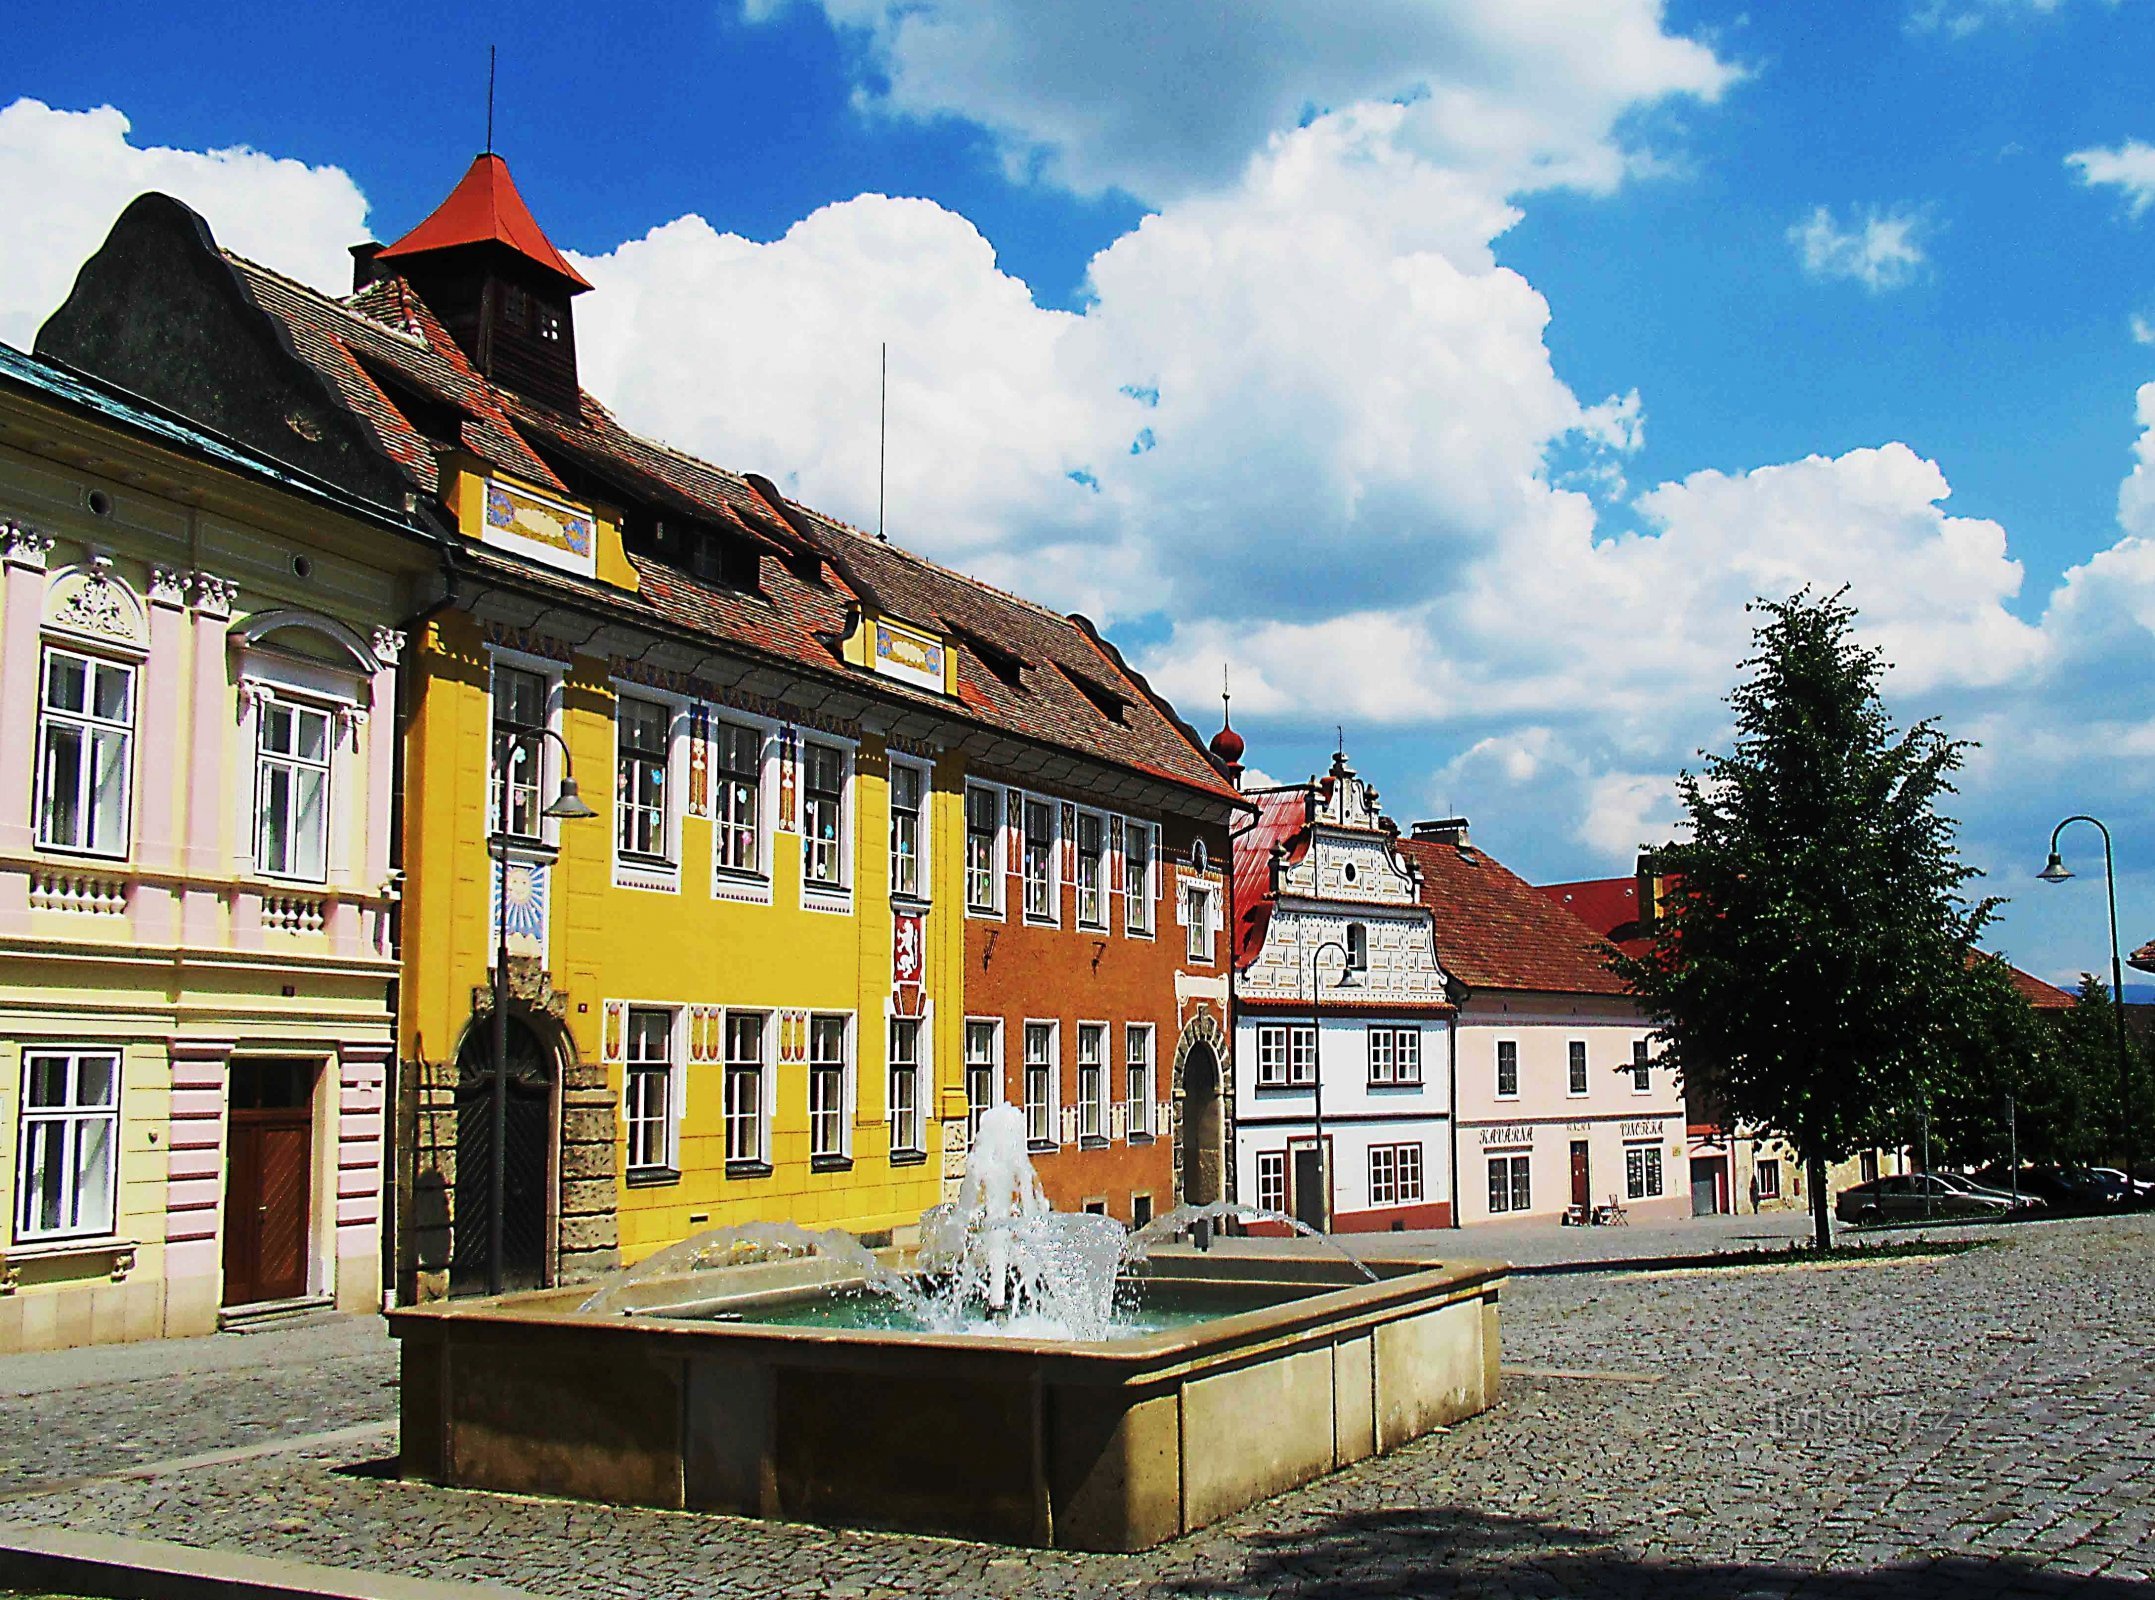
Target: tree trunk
<point>1821,1205</point>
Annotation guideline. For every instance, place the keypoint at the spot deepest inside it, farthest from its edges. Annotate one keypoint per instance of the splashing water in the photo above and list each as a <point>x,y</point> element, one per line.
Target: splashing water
<point>1184,1221</point>
<point>1003,1253</point>
<point>1000,1261</point>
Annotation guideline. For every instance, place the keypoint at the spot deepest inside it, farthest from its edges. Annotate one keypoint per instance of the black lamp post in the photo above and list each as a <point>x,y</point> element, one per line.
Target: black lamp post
<point>2054,871</point>
<point>568,805</point>
<point>1316,1051</point>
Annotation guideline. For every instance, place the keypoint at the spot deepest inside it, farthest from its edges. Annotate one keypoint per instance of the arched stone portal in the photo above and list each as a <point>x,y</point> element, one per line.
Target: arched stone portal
<point>527,1168</point>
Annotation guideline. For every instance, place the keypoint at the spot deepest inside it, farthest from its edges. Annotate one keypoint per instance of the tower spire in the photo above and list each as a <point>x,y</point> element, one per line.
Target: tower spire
<point>1227,745</point>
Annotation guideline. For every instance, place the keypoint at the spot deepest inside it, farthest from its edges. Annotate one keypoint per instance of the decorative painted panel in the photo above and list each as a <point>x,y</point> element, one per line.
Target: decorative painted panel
<point>542,528</point>
<point>908,655</point>
<point>528,892</point>
<point>699,760</point>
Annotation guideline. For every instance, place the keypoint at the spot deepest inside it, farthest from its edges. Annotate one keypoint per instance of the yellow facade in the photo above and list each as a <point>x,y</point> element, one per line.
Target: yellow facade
<point>613,941</point>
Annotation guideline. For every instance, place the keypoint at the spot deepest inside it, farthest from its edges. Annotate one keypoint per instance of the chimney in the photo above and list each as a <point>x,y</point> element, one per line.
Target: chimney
<point>1649,879</point>
<point>1444,830</point>
<point>364,270</point>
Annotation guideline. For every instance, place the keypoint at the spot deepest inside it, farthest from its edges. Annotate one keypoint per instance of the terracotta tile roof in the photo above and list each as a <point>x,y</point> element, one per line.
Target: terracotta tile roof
<point>1611,907</point>
<point>1497,931</point>
<point>2043,996</point>
<point>390,361</point>
<point>1282,819</point>
<point>484,208</point>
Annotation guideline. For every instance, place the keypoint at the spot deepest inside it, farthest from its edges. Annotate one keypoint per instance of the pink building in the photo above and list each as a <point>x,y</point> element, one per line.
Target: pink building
<point>1561,1110</point>
<point>198,753</point>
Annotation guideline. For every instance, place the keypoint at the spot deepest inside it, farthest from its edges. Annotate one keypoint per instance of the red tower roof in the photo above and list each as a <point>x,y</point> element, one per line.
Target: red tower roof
<point>485,207</point>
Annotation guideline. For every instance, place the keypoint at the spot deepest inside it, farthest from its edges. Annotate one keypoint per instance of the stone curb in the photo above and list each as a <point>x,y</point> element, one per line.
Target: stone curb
<point>62,1561</point>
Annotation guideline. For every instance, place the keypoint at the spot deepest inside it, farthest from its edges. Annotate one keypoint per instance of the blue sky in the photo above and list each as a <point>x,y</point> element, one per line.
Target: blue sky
<point>1501,347</point>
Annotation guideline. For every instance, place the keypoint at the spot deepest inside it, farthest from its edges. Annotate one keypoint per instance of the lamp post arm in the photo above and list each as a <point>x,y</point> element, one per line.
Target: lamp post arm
<point>2117,984</point>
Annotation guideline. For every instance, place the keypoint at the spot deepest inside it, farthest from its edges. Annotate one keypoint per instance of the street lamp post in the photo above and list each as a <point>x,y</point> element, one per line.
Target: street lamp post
<point>568,805</point>
<point>1316,1051</point>
<point>2054,871</point>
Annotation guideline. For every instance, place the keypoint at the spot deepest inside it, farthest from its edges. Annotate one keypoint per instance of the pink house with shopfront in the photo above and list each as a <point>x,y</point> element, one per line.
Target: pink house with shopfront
<point>198,758</point>
<point>1562,1113</point>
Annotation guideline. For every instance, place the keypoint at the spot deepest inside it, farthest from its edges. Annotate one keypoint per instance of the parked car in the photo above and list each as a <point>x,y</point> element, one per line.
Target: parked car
<point>2020,1202</point>
<point>2143,1188</point>
<point>2068,1189</point>
<point>1915,1197</point>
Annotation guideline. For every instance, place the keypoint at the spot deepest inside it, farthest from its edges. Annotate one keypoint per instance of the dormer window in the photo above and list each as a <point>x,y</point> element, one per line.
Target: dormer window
<point>1006,665</point>
<point>1104,700</point>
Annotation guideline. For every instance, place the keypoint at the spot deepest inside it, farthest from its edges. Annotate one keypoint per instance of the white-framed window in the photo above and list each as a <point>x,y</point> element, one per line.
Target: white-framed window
<point>1575,1056</point>
<point>1510,1184</point>
<point>1769,1180</point>
<point>908,838</point>
<point>828,1067</point>
<point>983,1068</point>
<point>1197,916</point>
<point>1092,1080</point>
<point>1395,1056</point>
<point>1040,888</point>
<point>85,761</point>
<point>68,1166</point>
<point>1507,1069</point>
<point>823,807</point>
<point>1137,859</point>
<point>648,1091</point>
<point>1138,1078</point>
<point>1357,947</point>
<point>1642,1172</point>
<point>293,745</point>
<point>643,750</point>
<point>1040,1069</point>
<point>983,848</point>
<point>1395,1174</point>
<point>1272,1180</point>
<point>737,797</point>
<point>519,708</point>
<point>1642,1067</point>
<point>908,1129</point>
<point>1286,1054</point>
<point>747,1126</point>
<point>1091,870</point>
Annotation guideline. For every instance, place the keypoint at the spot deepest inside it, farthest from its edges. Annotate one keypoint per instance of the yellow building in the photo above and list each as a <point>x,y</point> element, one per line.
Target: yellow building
<point>198,657</point>
<point>735,985</point>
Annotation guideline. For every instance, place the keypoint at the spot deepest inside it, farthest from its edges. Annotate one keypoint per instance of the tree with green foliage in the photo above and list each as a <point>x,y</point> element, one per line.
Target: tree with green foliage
<point>1998,1089</point>
<point>1813,942</point>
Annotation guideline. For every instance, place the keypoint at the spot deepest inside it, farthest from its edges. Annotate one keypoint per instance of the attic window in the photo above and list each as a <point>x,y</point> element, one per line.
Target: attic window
<point>1003,663</point>
<point>706,554</point>
<point>1105,700</point>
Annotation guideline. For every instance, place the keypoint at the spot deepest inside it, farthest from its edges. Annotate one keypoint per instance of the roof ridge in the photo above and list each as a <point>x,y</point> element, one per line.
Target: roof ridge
<point>342,304</point>
<point>908,553</point>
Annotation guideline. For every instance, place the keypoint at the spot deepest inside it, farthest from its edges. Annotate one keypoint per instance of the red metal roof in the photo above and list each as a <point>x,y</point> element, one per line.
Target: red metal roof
<point>1282,819</point>
<point>485,208</point>
<point>1497,931</point>
<point>1610,906</point>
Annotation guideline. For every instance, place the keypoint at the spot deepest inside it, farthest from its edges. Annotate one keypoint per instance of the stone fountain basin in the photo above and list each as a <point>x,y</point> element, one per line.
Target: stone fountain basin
<point>1110,1446</point>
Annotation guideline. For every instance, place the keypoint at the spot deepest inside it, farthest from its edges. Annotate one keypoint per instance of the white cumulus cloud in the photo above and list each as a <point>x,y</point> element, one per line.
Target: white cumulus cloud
<point>1878,249</point>
<point>1164,100</point>
<point>2129,168</point>
<point>65,175</point>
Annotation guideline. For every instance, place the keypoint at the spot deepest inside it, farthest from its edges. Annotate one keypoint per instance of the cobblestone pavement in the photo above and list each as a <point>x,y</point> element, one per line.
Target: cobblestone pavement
<point>1979,1424</point>
<point>77,1413</point>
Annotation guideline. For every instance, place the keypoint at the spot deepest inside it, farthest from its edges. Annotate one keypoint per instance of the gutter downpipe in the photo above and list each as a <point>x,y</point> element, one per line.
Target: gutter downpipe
<point>1459,1006</point>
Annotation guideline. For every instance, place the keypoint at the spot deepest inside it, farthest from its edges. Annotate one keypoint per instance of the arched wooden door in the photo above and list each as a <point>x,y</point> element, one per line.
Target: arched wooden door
<point>527,1178</point>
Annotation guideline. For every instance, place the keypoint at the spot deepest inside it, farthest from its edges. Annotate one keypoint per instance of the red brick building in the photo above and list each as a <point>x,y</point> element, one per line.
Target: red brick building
<point>1096,962</point>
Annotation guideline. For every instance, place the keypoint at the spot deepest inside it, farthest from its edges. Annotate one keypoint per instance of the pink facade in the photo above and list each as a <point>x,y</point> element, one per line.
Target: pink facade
<point>197,758</point>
